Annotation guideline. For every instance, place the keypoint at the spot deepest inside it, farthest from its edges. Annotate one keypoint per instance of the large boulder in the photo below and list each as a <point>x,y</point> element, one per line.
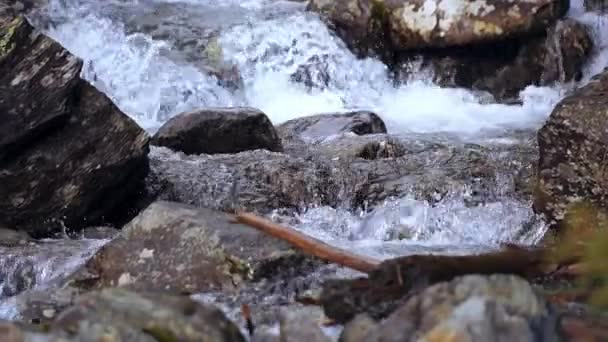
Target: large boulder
<point>418,24</point>
<point>68,156</point>
<point>122,315</point>
<point>172,246</point>
<point>573,148</point>
<point>469,308</point>
<point>505,68</point>
<point>496,46</point>
<point>218,130</point>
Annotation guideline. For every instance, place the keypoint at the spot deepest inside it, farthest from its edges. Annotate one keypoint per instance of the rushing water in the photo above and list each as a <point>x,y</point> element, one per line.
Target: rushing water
<point>144,53</point>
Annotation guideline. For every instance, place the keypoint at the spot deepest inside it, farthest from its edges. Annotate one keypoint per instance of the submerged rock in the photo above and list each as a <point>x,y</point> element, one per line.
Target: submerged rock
<point>573,148</point>
<point>470,308</point>
<point>68,156</point>
<point>218,130</point>
<point>172,246</point>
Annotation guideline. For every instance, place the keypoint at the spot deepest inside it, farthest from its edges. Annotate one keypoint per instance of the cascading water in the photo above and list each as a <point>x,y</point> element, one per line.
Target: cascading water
<point>144,66</point>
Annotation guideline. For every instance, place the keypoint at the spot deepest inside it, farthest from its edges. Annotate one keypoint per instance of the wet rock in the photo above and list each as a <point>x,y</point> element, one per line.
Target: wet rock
<point>432,169</point>
<point>68,156</point>
<point>172,246</point>
<point>419,24</point>
<point>358,328</point>
<point>254,181</point>
<point>16,274</point>
<point>299,326</point>
<point>471,308</point>
<point>350,147</point>
<point>12,238</point>
<point>318,127</point>
<point>218,130</point>
<point>314,74</point>
<point>122,315</point>
<point>311,135</point>
<point>495,46</point>
<point>41,306</point>
<point>557,56</point>
<point>572,146</point>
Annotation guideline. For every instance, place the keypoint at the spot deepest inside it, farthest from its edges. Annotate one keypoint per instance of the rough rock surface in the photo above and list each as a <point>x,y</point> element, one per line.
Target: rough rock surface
<point>218,130</point>
<point>172,246</point>
<point>253,180</point>
<point>495,46</point>
<point>348,171</point>
<point>121,315</point>
<point>321,126</point>
<point>422,24</point>
<point>68,156</point>
<point>469,308</point>
<point>572,146</point>
<point>505,68</point>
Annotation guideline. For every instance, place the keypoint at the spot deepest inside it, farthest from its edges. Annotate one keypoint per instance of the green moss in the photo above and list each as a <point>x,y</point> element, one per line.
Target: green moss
<point>214,53</point>
<point>7,34</point>
<point>161,334</point>
<point>378,12</point>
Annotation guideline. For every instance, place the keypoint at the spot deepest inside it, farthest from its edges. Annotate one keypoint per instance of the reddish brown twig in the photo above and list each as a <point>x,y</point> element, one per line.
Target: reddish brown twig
<point>309,244</point>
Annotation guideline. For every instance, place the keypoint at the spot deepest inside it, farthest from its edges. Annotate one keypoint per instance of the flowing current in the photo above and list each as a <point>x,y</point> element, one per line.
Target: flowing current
<point>147,56</point>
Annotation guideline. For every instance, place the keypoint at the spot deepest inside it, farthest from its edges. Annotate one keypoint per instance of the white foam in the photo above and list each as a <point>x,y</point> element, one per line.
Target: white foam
<point>151,88</point>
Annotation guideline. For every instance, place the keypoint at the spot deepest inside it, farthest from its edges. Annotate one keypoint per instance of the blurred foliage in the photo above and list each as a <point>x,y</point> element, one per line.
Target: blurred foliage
<point>584,234</point>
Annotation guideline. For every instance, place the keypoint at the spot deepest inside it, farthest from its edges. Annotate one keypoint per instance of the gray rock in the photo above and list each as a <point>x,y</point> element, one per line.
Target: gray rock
<point>318,127</point>
<point>495,46</point>
<point>218,130</point>
<point>41,306</point>
<point>301,326</point>
<point>471,308</point>
<point>418,25</point>
<point>16,275</point>
<point>172,246</point>
<point>557,56</point>
<point>254,181</point>
<point>358,329</point>
<point>572,146</point>
<point>68,156</point>
<point>122,315</point>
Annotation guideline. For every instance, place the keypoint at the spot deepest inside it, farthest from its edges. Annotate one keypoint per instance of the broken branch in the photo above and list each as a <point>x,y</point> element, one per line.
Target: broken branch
<point>309,244</point>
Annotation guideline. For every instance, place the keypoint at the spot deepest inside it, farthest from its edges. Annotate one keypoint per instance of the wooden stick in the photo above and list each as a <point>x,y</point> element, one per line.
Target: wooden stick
<point>309,244</point>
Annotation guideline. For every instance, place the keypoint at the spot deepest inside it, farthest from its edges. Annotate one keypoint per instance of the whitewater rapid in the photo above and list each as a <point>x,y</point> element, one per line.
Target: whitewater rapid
<point>268,41</point>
